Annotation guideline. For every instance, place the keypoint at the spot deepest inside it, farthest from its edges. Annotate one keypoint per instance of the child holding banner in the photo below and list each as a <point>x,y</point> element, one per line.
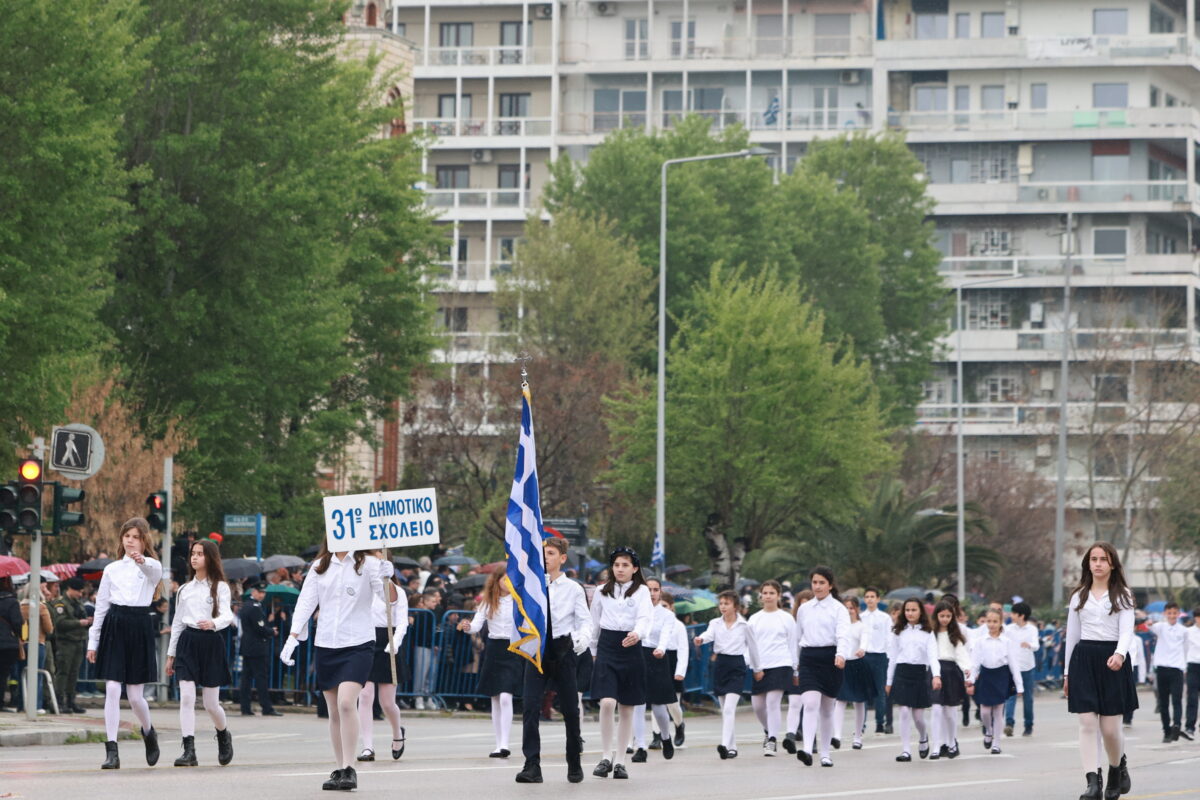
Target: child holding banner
<point>343,586</point>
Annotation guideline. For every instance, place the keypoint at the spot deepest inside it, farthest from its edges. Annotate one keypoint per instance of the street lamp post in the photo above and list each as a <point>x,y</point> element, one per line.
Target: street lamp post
<point>660,475</point>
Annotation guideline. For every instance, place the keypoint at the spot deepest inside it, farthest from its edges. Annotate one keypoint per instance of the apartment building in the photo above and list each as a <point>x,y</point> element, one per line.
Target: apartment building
<point>1022,111</point>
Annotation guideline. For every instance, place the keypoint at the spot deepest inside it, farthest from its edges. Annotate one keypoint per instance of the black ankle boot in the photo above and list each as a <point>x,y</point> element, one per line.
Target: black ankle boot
<point>574,768</point>
<point>151,740</point>
<point>112,760</point>
<point>188,757</point>
<point>224,747</point>
<point>531,772</point>
<point>1112,789</point>
<point>1093,787</point>
<point>1126,782</point>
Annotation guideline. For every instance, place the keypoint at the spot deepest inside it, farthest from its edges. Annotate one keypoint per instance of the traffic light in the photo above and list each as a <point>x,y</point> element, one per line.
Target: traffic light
<point>156,510</point>
<point>8,507</point>
<point>29,494</point>
<point>64,498</point>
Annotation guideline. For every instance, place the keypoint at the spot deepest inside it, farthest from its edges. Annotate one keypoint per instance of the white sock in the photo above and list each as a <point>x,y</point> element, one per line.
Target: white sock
<point>729,704</point>
<point>1089,735</point>
<point>774,712</point>
<point>812,717</point>
<point>759,703</point>
<point>839,717</point>
<point>905,728</point>
<point>1114,738</point>
<point>795,707</point>
<point>187,708</point>
<point>918,715</point>
<point>828,709</point>
<point>935,727</point>
<point>112,709</point>
<point>676,713</point>
<point>860,720</point>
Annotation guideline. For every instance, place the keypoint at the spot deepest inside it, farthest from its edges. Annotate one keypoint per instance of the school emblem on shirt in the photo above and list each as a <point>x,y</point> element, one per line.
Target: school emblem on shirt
<point>350,590</point>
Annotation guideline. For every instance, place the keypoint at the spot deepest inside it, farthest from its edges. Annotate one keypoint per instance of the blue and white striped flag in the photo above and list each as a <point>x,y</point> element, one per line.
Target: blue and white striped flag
<point>523,546</point>
<point>659,557</point>
<point>771,115</point>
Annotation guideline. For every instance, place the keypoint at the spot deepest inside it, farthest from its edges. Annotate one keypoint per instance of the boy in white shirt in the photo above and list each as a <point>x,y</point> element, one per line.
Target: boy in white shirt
<point>1170,662</point>
<point>1025,634</point>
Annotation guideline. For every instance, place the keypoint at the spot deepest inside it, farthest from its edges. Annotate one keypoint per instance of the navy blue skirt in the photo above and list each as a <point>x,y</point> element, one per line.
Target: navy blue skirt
<point>911,686</point>
<point>729,674</point>
<point>200,657</point>
<point>818,672</point>
<point>954,685</point>
<point>1093,687</point>
<point>128,641</point>
<point>381,661</point>
<point>338,665</point>
<point>503,671</point>
<point>774,679</point>
<point>858,685</point>
<point>618,672</point>
<point>994,685</point>
<point>660,677</point>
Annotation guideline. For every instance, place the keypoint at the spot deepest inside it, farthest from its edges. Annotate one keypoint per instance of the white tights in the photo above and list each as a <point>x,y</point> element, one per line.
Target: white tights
<point>818,712</point>
<point>343,732</point>
<point>661,719</point>
<point>795,709</point>
<point>992,718</point>
<point>615,753</point>
<point>839,716</point>
<point>676,713</point>
<point>387,702</point>
<point>909,717</point>
<point>729,703</point>
<point>767,709</point>
<point>943,726</point>
<point>1100,736</point>
<point>134,692</point>
<point>187,707</point>
<point>502,714</point>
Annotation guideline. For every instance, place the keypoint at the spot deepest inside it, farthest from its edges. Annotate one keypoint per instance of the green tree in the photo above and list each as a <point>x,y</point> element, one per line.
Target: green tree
<point>766,422</point>
<point>270,296</point>
<point>882,173</point>
<point>64,79</point>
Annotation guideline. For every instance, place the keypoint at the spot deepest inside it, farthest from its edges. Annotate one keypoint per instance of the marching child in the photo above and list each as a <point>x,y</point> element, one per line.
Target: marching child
<point>912,652</point>
<point>1170,662</point>
<point>735,648</point>
<point>196,653</point>
<point>955,660</point>
<point>678,650</point>
<point>822,630</point>
<point>659,688</point>
<point>995,676</point>
<point>775,637</point>
<point>1193,674</point>
<point>858,684</point>
<point>1025,634</point>
<point>380,680</point>
<point>503,672</point>
<point>621,619</point>
<point>122,639</point>
<point>795,709</point>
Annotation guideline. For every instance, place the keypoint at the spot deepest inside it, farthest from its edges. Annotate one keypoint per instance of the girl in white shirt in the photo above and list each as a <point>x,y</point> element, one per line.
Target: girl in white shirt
<point>503,672</point>
<point>995,677</point>
<point>660,684</point>
<point>733,643</point>
<point>775,636</point>
<point>955,659</point>
<point>122,640</point>
<point>795,709</point>
<point>382,680</point>
<point>822,630</point>
<point>912,653</point>
<point>196,653</point>
<point>343,586</point>
<point>621,618</point>
<point>858,685</point>
<point>1098,679</point>
<point>678,649</point>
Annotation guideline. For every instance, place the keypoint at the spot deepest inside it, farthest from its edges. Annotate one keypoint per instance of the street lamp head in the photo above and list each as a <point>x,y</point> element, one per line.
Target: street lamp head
<point>759,151</point>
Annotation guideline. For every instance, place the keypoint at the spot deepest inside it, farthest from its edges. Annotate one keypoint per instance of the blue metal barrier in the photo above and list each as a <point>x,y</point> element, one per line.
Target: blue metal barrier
<point>699,678</point>
<point>460,660</point>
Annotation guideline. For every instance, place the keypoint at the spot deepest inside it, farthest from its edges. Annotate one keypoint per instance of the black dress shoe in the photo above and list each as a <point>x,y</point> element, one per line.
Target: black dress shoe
<point>679,735</point>
<point>501,753</point>
<point>837,743</point>
<point>923,748</point>
<point>150,739</point>
<point>1094,789</point>
<point>251,713</point>
<point>335,778</point>
<point>530,773</point>
<point>789,743</point>
<point>349,779</point>
<point>396,753</point>
<point>804,757</point>
<point>272,713</point>
<point>655,743</point>
<point>904,757</point>
<point>668,749</point>
<point>723,751</point>
<point>619,772</point>
<point>366,755</point>
<point>603,768</point>
<point>639,756</point>
<point>732,754</point>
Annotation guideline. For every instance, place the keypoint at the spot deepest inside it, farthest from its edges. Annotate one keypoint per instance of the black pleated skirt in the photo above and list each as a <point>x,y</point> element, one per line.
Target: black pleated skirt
<point>774,679</point>
<point>1093,687</point>
<point>660,677</point>
<point>911,686</point>
<point>337,665</point>
<point>127,649</point>
<point>729,674</point>
<point>618,672</point>
<point>994,685</point>
<point>954,685</point>
<point>502,670</point>
<point>858,686</point>
<point>818,673</point>
<point>381,662</point>
<point>200,657</point>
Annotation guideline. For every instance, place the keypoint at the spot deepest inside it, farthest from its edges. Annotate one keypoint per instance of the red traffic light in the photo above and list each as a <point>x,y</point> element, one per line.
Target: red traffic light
<point>30,470</point>
<point>156,502</point>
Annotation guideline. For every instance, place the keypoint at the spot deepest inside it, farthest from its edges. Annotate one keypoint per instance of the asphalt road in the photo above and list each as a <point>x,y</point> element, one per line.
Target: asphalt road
<point>446,757</point>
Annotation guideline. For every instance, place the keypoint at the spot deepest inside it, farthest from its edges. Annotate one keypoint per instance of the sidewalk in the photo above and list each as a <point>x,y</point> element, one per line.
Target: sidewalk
<point>17,731</point>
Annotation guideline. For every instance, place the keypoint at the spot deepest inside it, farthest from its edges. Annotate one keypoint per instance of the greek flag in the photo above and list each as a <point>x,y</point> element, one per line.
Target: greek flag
<point>523,546</point>
<point>659,557</point>
<point>771,115</point>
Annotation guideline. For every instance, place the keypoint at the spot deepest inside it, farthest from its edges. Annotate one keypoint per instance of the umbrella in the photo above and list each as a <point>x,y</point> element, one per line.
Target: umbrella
<point>11,565</point>
<point>1156,607</point>
<point>906,592</point>
<point>282,562</point>
<point>748,583</point>
<point>468,583</point>
<point>64,571</point>
<point>237,569</point>
<point>675,569</point>
<point>404,562</point>
<point>693,604</point>
<point>455,561</point>
<point>283,592</point>
<point>95,565</point>
<point>47,577</point>
<point>492,567</point>
<point>702,582</point>
<point>310,552</point>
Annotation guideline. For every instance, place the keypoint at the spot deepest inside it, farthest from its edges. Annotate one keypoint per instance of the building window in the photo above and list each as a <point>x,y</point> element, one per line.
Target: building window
<point>768,34</point>
<point>456,34</point>
<point>962,26</point>
<point>1110,95</point>
<point>453,176</point>
<point>453,319</point>
<point>935,392</point>
<point>1109,241</point>
<point>960,170</point>
<point>989,311</point>
<point>637,39</point>
<point>1110,21</point>
<point>1111,388</point>
<point>508,176</point>
<point>929,98</point>
<point>831,34</point>
<point>993,242</point>
<point>448,106</point>
<point>992,25</point>
<point>1110,167</point>
<point>512,41</point>
<point>1160,20</point>
<point>677,38</point>
<point>1000,389</point>
<point>1038,96</point>
<point>991,98</point>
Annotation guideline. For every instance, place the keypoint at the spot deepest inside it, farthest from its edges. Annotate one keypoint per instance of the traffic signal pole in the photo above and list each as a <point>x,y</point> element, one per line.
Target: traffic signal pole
<point>34,651</point>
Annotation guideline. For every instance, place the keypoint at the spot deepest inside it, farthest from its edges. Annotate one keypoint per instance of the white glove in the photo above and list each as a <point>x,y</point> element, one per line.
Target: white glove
<point>285,655</point>
<point>579,645</point>
<point>393,647</point>
<point>386,569</point>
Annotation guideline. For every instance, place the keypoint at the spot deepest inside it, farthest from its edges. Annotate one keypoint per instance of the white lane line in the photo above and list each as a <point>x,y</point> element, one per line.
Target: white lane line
<point>892,789</point>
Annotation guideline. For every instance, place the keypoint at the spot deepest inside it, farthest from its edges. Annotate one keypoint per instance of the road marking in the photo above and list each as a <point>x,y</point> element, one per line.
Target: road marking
<point>1175,793</point>
<point>266,737</point>
<point>893,789</point>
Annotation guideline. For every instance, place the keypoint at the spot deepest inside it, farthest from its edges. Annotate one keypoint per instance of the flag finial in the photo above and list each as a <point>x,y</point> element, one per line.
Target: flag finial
<point>524,358</point>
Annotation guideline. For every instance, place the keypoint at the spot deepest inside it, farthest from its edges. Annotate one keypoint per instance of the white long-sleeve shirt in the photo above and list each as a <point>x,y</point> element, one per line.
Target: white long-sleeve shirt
<point>399,612</point>
<point>957,652</point>
<point>1193,643</point>
<point>344,597</point>
<point>856,637</point>
<point>735,640</point>
<point>1096,623</point>
<point>630,613</point>
<point>193,603</point>
<point>500,623</point>
<point>824,623</point>
<point>660,627</point>
<point>124,583</point>
<point>682,647</point>
<point>993,652</point>
<point>913,646</point>
<point>1024,633</point>
<point>775,638</point>
<point>1170,645</point>
<point>569,613</point>
<point>878,630</point>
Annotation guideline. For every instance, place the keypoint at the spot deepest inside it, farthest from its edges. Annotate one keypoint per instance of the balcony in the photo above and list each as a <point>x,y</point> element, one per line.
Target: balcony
<point>1059,197</point>
<point>732,48</point>
<point>477,204</point>
<point>449,127</point>
<point>1126,123</point>
<point>500,61</point>
<point>1034,418</point>
<point>1015,265</point>
<point>794,120</point>
<point>1020,51</point>
<point>1010,344</point>
<point>468,277</point>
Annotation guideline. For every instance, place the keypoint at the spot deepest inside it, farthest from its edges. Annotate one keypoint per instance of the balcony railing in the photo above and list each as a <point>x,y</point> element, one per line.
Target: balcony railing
<point>485,56</point>
<point>502,126</point>
<point>1080,265</point>
<point>1079,413</point>
<point>730,48</point>
<point>1036,48</point>
<point>1008,120</point>
<point>1105,339</point>
<point>471,270</point>
<point>811,119</point>
<point>1103,192</point>
<point>473,198</point>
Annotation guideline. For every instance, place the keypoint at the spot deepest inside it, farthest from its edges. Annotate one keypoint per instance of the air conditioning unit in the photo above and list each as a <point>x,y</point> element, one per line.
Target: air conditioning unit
<point>605,9</point>
<point>1043,194</point>
<point>545,11</point>
<point>850,77</point>
<point>481,156</point>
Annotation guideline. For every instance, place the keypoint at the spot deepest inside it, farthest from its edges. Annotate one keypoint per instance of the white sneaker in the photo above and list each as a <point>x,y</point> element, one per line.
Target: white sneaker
<point>420,704</point>
<point>770,747</point>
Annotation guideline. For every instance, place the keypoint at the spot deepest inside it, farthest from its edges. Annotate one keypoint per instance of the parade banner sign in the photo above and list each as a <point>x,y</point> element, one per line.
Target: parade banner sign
<point>381,520</point>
